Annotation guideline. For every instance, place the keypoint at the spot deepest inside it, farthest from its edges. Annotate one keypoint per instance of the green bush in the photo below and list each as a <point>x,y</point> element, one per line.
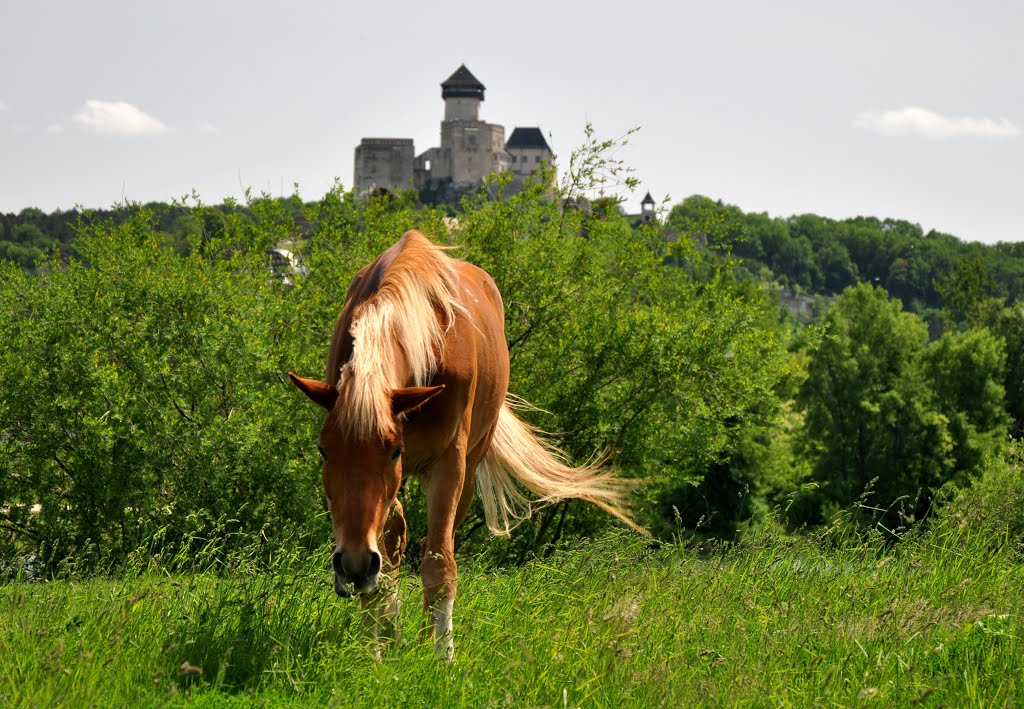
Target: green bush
<point>143,391</point>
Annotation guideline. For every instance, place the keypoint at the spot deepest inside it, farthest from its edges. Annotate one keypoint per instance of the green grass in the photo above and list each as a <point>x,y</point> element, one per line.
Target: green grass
<point>775,622</point>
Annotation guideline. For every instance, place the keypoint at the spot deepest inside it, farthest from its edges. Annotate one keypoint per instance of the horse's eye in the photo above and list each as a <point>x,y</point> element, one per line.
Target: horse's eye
<point>323,453</point>
<point>397,454</point>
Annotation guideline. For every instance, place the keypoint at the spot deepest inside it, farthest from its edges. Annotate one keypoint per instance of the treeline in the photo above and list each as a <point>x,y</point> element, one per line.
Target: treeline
<point>816,255</point>
<point>911,385</point>
<point>805,253</point>
<point>26,237</point>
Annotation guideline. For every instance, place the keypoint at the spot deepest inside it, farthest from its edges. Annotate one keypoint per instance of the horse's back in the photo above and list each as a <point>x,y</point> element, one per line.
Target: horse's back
<point>474,364</point>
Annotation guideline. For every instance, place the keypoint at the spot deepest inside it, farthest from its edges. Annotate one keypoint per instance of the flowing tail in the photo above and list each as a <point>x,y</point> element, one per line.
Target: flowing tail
<point>520,458</point>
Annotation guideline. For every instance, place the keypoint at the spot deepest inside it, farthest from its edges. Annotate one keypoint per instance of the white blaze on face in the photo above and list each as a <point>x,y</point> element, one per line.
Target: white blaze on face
<point>444,647</point>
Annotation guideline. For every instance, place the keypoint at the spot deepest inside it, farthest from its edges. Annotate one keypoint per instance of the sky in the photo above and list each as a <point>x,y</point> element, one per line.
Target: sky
<point>896,109</point>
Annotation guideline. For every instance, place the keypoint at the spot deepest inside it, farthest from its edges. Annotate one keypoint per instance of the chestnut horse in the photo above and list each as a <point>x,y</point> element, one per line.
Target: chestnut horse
<point>417,377</point>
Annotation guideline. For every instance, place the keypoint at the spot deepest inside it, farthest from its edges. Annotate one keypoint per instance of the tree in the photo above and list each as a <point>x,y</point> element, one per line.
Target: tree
<point>837,270</point>
<point>886,412</point>
<point>664,367</point>
<point>967,292</point>
<point>1007,324</point>
<point>965,371</point>
<point>710,222</point>
<point>31,215</point>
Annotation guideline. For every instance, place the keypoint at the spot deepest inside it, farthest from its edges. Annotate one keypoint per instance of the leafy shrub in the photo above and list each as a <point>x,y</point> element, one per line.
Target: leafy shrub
<point>142,391</point>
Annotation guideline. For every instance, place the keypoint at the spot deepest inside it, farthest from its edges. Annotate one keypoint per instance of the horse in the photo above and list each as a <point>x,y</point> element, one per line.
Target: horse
<point>417,384</point>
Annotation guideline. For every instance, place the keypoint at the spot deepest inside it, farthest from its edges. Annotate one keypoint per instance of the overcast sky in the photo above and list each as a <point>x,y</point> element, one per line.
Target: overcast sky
<point>909,110</point>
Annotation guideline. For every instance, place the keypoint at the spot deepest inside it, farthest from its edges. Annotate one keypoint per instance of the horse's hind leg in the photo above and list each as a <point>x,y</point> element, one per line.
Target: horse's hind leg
<point>381,608</point>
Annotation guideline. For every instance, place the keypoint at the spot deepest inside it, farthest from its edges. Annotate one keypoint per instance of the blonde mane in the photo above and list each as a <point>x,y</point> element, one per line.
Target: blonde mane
<point>398,334</point>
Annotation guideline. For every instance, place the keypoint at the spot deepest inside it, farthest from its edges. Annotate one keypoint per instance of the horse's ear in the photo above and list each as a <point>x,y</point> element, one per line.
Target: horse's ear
<point>319,393</point>
<point>407,400</point>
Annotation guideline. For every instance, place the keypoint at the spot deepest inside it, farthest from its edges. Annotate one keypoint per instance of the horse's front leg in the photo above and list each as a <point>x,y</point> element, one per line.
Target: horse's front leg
<point>444,485</point>
<point>381,608</point>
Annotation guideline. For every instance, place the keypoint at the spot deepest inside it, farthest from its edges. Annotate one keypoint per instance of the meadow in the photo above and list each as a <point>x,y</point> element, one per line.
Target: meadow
<point>160,546</point>
<point>823,620</point>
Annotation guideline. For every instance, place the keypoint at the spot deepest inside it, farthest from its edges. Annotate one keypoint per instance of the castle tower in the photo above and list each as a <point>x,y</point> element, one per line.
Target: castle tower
<point>471,149</point>
<point>462,93</point>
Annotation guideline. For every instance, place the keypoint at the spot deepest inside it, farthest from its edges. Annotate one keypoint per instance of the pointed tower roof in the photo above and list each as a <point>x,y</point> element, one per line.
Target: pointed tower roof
<point>462,84</point>
<point>648,199</point>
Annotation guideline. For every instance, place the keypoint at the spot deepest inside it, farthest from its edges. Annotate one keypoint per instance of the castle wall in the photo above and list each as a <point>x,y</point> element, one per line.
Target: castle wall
<point>425,168</point>
<point>384,162</point>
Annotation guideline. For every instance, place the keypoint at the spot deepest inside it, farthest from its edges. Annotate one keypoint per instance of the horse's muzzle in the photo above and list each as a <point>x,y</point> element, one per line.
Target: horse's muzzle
<point>355,572</point>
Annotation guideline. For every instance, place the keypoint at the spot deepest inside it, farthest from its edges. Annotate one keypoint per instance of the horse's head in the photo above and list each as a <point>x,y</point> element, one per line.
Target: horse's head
<point>362,474</point>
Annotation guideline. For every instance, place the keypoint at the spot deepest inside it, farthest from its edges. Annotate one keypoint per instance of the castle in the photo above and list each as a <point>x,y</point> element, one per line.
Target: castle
<point>471,149</point>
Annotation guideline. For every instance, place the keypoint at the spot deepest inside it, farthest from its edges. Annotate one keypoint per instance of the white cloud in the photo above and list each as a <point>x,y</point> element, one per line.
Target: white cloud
<point>55,129</point>
<point>207,127</point>
<point>914,120</point>
<point>117,118</point>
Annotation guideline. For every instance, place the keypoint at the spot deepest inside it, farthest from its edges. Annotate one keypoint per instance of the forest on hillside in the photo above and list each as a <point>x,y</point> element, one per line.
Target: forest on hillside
<point>816,255</point>
<point>28,236</point>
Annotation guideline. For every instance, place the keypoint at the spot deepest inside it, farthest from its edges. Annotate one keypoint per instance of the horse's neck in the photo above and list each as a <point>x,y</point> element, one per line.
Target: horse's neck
<point>390,368</point>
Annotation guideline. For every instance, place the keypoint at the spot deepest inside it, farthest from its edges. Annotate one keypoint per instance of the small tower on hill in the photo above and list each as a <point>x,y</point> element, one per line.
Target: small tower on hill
<point>647,209</point>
